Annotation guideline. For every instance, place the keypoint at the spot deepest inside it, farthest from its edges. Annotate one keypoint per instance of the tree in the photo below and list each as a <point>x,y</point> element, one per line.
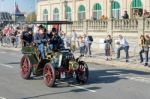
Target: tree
<point>31,17</point>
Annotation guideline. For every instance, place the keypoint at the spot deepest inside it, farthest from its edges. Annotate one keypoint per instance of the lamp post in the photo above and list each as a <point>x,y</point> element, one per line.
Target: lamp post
<point>111,14</point>
<point>111,23</point>
<point>65,5</point>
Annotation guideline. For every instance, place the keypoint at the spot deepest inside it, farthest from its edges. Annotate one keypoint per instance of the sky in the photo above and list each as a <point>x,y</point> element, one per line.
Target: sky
<point>24,5</point>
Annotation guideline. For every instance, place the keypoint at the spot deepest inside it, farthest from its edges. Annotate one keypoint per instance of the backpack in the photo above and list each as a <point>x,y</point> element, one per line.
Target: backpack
<point>90,38</point>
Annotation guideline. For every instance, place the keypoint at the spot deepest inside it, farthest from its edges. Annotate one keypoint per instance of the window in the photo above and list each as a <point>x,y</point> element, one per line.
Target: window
<point>56,14</point>
<point>97,11</point>
<point>81,12</point>
<point>68,13</point>
<point>137,4</point>
<point>45,15</point>
<point>115,9</point>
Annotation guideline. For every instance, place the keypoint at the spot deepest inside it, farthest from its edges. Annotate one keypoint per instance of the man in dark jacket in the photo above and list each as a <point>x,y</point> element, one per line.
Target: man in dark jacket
<point>55,41</point>
<point>27,36</point>
<point>125,16</point>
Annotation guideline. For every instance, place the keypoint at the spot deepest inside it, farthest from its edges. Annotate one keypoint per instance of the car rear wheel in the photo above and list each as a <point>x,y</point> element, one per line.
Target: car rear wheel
<point>25,67</point>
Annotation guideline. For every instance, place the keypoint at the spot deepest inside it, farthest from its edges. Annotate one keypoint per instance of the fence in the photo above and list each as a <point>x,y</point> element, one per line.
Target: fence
<point>139,25</point>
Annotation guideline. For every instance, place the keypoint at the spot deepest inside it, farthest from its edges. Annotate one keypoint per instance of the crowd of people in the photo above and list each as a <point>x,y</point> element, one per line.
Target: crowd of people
<point>55,39</point>
<point>10,36</point>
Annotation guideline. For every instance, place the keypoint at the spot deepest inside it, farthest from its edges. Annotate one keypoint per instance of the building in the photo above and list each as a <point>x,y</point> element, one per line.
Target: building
<point>89,9</point>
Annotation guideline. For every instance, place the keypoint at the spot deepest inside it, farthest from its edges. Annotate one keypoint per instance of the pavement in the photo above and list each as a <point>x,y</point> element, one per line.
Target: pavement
<point>105,82</point>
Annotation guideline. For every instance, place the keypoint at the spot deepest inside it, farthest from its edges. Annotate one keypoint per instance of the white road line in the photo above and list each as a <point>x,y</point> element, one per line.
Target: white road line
<point>3,52</point>
<point>79,87</point>
<point>4,65</point>
<point>139,79</point>
<point>2,98</point>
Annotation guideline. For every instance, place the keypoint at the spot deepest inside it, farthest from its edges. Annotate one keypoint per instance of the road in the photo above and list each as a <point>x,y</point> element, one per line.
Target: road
<point>105,82</point>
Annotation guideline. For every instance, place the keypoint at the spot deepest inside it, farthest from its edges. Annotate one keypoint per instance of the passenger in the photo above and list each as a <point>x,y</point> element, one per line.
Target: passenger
<point>40,39</point>
<point>27,36</point>
<point>56,42</point>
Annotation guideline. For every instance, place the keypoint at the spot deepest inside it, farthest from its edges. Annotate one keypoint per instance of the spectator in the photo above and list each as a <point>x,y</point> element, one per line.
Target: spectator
<point>146,49</point>
<point>73,40</point>
<point>146,14</point>
<point>125,16</point>
<point>88,43</point>
<point>82,45</point>
<point>123,45</point>
<point>1,38</point>
<point>141,44</point>
<point>108,45</point>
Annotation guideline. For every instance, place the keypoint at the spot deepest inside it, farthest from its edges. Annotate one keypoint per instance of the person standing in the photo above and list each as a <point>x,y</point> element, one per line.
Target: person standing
<point>88,43</point>
<point>108,45</point>
<point>146,49</point>
<point>141,44</point>
<point>73,40</point>
<point>123,46</point>
<point>82,45</point>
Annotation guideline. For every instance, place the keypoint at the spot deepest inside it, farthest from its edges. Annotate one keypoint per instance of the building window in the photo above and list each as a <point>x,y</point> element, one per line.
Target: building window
<point>56,14</point>
<point>81,12</point>
<point>68,13</point>
<point>115,10</point>
<point>137,8</point>
<point>45,15</point>
<point>136,4</point>
<point>97,11</point>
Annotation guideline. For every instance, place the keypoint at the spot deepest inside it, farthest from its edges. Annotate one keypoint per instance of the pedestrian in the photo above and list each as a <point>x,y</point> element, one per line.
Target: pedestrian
<point>146,49</point>
<point>123,45</point>
<point>73,40</point>
<point>88,43</point>
<point>82,45</point>
<point>108,47</point>
<point>1,38</point>
<point>141,44</point>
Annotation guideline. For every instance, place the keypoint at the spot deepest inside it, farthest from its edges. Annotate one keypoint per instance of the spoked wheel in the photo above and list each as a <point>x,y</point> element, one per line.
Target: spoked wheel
<point>82,73</point>
<point>25,67</point>
<point>49,75</point>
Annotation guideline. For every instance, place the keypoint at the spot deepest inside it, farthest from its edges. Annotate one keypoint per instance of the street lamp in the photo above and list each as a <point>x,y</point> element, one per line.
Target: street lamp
<point>111,22</point>
<point>65,5</point>
<point>111,13</point>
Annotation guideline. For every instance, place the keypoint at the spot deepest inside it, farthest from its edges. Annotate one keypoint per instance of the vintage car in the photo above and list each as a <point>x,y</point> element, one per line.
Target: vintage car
<point>57,65</point>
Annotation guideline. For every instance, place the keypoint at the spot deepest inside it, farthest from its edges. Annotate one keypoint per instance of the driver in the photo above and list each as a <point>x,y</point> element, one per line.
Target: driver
<point>56,42</point>
<point>40,39</point>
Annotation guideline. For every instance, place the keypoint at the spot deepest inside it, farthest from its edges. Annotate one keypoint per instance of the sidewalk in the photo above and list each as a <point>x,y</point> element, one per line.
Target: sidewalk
<point>99,58</point>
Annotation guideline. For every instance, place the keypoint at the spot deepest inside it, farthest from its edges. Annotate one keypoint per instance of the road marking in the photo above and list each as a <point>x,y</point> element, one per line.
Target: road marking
<point>79,87</point>
<point>9,66</point>
<point>2,98</point>
<point>3,52</point>
<point>139,79</point>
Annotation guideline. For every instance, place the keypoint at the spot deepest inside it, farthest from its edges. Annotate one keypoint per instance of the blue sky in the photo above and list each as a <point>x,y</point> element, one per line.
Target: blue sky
<point>24,5</point>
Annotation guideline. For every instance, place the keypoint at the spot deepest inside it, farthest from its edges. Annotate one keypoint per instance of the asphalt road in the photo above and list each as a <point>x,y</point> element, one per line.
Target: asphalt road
<point>105,82</point>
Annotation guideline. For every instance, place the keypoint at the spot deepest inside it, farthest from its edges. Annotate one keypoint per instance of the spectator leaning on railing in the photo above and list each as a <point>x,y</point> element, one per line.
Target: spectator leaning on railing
<point>123,45</point>
<point>125,16</point>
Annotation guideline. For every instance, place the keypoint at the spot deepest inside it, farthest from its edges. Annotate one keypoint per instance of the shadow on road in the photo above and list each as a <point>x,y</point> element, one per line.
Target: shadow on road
<point>111,75</point>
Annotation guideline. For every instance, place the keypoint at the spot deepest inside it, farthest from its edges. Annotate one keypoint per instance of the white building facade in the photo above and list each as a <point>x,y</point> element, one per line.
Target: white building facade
<point>88,9</point>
